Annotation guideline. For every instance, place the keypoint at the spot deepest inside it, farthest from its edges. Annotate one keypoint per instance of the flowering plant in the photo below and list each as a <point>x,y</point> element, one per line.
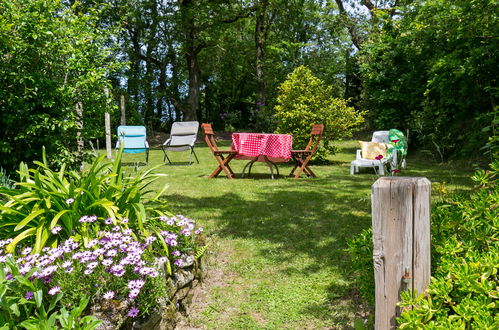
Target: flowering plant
<point>26,302</point>
<point>47,202</point>
<point>117,265</point>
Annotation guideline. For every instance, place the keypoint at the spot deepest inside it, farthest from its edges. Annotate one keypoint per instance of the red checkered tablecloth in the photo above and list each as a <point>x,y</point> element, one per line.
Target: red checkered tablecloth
<point>267,147</point>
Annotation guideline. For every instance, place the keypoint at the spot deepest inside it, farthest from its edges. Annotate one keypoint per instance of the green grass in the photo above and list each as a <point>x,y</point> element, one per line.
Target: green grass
<point>277,247</point>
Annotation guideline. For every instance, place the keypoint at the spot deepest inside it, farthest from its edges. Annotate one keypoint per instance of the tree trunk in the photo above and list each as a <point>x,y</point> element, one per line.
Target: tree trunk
<point>191,107</point>
<point>260,53</point>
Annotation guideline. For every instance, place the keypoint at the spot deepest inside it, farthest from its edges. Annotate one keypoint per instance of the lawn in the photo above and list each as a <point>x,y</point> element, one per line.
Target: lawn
<point>277,247</point>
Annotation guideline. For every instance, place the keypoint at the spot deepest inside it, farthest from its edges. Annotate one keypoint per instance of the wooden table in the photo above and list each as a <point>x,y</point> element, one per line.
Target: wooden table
<point>262,147</point>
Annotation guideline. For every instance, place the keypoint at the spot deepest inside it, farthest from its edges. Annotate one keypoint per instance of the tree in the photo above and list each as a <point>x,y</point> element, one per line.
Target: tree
<point>305,100</point>
<point>52,58</point>
<point>433,71</point>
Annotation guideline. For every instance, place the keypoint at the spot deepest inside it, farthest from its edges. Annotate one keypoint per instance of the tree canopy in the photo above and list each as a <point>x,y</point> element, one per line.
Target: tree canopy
<point>426,66</point>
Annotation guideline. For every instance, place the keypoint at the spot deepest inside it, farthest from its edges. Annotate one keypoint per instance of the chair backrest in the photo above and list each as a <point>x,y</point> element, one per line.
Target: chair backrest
<point>380,136</point>
<point>133,138</point>
<point>183,133</point>
<point>209,137</point>
<point>315,137</point>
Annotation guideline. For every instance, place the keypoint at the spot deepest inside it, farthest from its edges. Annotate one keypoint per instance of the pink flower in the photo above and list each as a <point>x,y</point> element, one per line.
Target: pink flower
<point>56,230</point>
<point>395,171</point>
<point>395,141</point>
<point>54,290</point>
<point>379,157</point>
<point>108,295</point>
<point>133,312</point>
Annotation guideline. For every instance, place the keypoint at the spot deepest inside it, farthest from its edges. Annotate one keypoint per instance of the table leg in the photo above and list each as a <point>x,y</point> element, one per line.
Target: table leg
<point>250,163</point>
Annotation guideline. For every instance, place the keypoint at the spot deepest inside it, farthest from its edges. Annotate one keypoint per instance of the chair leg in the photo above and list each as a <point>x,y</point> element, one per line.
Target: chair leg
<point>381,168</point>
<point>303,166</point>
<point>166,156</point>
<point>223,165</point>
<point>193,152</point>
<point>352,169</point>
<point>147,157</point>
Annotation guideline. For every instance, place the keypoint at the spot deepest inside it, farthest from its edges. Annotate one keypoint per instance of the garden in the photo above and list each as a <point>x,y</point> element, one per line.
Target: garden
<point>94,237</point>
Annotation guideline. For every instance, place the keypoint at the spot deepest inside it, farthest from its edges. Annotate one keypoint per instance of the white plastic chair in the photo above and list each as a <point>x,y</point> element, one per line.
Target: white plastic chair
<point>183,136</point>
<point>380,137</point>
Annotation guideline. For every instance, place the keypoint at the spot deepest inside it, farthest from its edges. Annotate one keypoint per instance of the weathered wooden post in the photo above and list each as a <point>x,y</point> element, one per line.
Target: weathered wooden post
<point>401,242</point>
<point>107,127</point>
<point>123,112</point>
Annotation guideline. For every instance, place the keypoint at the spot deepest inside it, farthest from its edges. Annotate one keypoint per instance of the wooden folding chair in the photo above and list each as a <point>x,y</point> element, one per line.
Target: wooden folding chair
<point>302,157</point>
<point>223,157</point>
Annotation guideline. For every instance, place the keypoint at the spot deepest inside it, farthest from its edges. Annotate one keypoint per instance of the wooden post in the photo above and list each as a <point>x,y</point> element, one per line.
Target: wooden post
<point>107,127</point>
<point>401,242</point>
<point>122,107</point>
<point>107,123</point>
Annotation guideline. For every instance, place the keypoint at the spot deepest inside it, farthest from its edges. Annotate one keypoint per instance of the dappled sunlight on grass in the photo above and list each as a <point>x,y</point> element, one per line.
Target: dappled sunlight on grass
<point>284,239</point>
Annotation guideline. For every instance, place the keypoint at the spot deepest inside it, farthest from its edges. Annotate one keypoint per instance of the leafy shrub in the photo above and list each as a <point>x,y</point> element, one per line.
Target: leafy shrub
<point>71,202</point>
<point>117,266</point>
<point>361,254</point>
<point>52,57</point>
<point>465,256</point>
<point>305,100</point>
<point>431,69</point>
<point>26,302</point>
<point>463,290</point>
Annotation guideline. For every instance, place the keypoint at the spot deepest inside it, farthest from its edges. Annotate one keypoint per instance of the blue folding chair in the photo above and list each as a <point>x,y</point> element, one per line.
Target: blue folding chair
<point>133,139</point>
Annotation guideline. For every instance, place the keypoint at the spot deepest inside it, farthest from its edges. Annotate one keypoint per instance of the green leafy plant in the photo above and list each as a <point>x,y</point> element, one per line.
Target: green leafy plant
<point>53,57</point>
<point>465,257</point>
<point>5,179</point>
<point>463,290</point>
<point>68,202</point>
<point>26,303</point>
<point>360,249</point>
<point>305,100</point>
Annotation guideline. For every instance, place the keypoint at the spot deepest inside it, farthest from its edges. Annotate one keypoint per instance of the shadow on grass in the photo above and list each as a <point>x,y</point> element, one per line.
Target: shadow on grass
<point>301,218</point>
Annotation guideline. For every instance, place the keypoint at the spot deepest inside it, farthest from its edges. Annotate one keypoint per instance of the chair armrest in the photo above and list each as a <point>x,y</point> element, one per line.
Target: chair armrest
<point>147,145</point>
<point>359,154</point>
<point>167,141</point>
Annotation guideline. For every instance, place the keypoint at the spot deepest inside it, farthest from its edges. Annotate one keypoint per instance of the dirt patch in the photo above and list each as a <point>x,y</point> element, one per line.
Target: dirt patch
<point>215,277</point>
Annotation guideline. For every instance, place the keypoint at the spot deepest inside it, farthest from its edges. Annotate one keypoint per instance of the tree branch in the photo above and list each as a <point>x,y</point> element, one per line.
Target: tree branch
<point>351,26</point>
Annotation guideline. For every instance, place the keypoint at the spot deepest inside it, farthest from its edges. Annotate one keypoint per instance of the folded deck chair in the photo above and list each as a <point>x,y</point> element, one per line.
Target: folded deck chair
<point>183,135</point>
<point>134,140</point>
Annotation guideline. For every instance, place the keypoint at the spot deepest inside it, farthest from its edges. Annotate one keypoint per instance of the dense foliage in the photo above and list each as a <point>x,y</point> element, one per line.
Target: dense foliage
<point>305,100</point>
<point>25,302</point>
<point>52,56</point>
<point>463,290</point>
<point>465,257</point>
<point>69,238</point>
<point>432,69</point>
<point>43,199</point>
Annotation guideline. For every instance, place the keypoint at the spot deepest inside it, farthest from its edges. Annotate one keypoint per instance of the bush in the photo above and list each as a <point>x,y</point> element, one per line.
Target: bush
<point>465,257</point>
<point>463,290</point>
<point>26,302</point>
<point>53,56</point>
<point>89,236</point>
<point>305,100</point>
<point>71,202</point>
